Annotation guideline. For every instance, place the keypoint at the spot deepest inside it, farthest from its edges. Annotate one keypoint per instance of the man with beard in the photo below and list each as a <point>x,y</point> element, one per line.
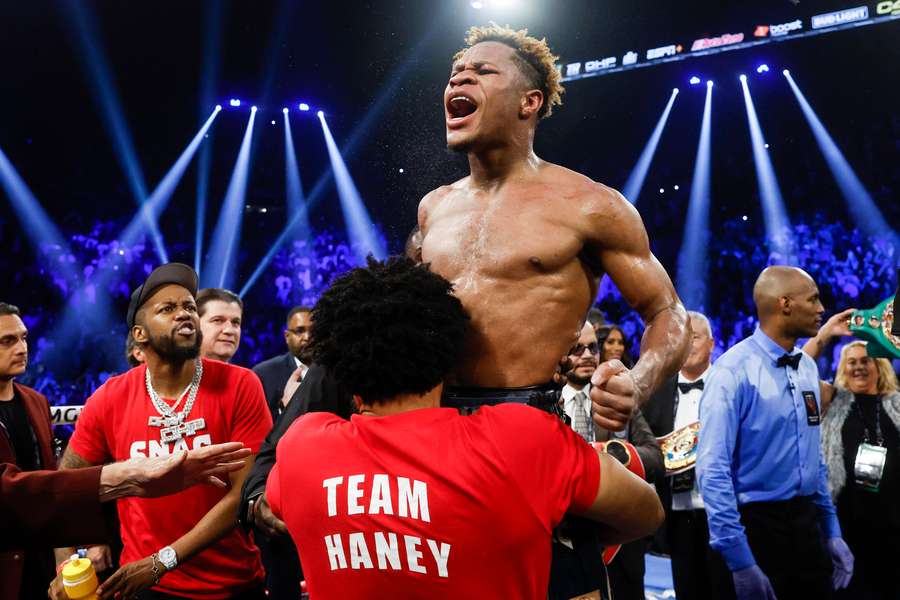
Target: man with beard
<point>281,375</point>
<point>635,447</point>
<point>520,234</point>
<point>762,476</point>
<point>185,545</point>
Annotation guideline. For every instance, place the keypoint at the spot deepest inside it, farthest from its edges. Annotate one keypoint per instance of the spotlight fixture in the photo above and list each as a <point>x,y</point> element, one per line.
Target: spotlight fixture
<point>766,146</point>
<point>320,114</point>
<point>253,109</point>
<point>273,121</point>
<point>763,68</point>
<point>218,107</point>
<point>234,102</point>
<point>694,80</point>
<point>303,106</point>
<point>785,72</point>
<point>743,78</point>
<point>674,90</point>
<point>662,190</point>
<point>676,188</point>
<point>284,110</point>
<point>709,83</point>
<point>744,218</point>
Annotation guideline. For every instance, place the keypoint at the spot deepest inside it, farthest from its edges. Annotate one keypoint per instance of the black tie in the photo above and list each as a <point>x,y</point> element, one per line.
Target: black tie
<point>694,385</point>
<point>789,360</point>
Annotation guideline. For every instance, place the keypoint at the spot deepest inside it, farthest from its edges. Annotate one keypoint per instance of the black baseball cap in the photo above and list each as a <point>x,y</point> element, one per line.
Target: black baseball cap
<point>169,273</point>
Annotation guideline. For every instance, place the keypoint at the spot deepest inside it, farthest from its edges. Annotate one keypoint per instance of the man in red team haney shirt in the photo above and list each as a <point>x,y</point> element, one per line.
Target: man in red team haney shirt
<point>410,500</point>
<point>185,545</point>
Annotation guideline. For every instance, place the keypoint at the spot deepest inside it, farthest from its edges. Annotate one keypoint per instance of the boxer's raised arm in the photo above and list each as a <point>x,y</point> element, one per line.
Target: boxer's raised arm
<point>619,241</point>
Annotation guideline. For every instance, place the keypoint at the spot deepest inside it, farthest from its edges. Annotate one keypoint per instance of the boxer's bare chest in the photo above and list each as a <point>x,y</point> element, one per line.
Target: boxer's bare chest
<point>517,233</point>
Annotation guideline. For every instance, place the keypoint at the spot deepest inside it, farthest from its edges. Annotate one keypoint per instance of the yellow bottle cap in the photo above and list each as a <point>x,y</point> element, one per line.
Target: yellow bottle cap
<point>79,579</point>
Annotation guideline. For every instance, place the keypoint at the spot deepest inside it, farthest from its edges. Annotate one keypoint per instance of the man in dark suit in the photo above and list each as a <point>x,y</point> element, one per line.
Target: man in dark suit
<point>626,571</point>
<point>282,374</point>
<point>318,392</point>
<point>676,404</point>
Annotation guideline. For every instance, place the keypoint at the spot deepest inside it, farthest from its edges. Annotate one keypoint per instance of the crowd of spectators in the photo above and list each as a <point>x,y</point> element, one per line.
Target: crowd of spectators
<point>100,272</point>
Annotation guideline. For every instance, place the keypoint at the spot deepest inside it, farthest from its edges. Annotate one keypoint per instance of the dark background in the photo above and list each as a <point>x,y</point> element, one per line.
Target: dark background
<point>340,56</point>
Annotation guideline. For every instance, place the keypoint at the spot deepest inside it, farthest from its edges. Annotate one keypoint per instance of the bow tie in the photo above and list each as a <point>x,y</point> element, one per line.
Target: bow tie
<point>789,360</point>
<point>694,385</point>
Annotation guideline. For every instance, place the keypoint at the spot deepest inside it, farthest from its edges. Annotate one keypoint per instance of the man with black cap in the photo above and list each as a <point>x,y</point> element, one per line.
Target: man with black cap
<point>186,545</point>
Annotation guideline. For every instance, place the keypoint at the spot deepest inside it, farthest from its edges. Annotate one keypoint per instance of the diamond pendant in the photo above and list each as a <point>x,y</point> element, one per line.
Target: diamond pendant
<point>181,430</point>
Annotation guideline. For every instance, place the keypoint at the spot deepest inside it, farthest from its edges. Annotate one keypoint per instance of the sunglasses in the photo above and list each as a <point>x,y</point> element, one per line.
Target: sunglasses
<point>578,349</point>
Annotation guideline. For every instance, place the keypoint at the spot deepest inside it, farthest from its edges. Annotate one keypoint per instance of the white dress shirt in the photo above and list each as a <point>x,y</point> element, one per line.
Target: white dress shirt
<point>568,396</point>
<point>687,412</point>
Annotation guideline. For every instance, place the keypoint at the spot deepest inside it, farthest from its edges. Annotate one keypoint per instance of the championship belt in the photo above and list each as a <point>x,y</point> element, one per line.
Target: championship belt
<point>679,449</point>
<point>874,326</point>
<point>626,454</point>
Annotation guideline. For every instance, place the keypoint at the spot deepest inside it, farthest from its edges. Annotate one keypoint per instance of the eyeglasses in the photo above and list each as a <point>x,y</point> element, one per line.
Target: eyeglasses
<point>578,349</point>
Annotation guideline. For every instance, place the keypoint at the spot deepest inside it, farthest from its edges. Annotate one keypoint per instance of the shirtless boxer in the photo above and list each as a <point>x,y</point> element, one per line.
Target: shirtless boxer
<point>525,242</point>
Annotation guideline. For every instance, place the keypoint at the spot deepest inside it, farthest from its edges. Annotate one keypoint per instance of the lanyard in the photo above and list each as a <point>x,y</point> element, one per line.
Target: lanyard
<point>879,438</point>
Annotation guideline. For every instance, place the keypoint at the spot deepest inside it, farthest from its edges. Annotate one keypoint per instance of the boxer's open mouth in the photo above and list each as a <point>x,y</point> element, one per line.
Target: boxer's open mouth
<point>460,106</point>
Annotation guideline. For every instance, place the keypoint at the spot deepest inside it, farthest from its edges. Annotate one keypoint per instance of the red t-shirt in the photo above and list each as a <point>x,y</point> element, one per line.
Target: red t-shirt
<point>428,503</point>
<point>113,427</point>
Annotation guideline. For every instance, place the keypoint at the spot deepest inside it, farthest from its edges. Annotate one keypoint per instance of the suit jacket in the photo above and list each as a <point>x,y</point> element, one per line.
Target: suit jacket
<point>629,562</point>
<point>274,373</point>
<point>12,561</point>
<point>43,509</point>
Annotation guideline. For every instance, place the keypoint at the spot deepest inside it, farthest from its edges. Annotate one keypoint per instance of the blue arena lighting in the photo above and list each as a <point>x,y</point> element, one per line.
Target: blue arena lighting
<point>694,80</point>
<point>743,78</point>
<point>860,203</point>
<point>36,223</point>
<point>296,204</point>
<point>635,181</point>
<point>785,72</point>
<point>219,268</point>
<point>253,109</point>
<point>320,114</point>
<point>774,213</point>
<point>234,102</point>
<point>360,229</point>
<point>763,68</point>
<point>303,106</point>
<point>709,83</point>
<point>284,110</point>
<point>382,101</point>
<point>211,62</point>
<point>692,258</point>
<point>104,92</point>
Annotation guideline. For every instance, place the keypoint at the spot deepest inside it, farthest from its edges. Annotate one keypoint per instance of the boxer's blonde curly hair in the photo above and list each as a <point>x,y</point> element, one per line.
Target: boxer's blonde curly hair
<point>533,56</point>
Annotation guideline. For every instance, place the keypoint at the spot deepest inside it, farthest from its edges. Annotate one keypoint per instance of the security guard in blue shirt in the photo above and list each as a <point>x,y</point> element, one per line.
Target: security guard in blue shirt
<point>760,466</point>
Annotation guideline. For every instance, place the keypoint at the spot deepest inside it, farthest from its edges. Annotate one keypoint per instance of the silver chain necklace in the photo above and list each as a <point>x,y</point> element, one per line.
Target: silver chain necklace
<point>172,424</point>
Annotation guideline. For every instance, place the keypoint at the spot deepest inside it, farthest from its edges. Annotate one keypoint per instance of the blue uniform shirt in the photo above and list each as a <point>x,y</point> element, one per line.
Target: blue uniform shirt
<point>759,441</point>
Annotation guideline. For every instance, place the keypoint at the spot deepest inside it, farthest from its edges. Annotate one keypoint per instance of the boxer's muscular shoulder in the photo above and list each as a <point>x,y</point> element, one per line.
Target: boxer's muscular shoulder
<point>430,200</point>
<point>609,219</point>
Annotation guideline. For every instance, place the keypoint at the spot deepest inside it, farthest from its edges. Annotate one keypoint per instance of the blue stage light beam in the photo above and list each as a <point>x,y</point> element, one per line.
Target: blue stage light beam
<point>296,205</point>
<point>159,199</point>
<point>385,96</point>
<point>219,268</point>
<point>859,201</point>
<point>104,91</point>
<point>36,224</point>
<point>363,238</point>
<point>692,259</point>
<point>211,52</point>
<point>635,182</point>
<point>774,213</point>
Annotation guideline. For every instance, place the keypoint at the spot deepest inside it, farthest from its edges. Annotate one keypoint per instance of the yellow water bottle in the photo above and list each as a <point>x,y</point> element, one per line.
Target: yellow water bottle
<point>79,578</point>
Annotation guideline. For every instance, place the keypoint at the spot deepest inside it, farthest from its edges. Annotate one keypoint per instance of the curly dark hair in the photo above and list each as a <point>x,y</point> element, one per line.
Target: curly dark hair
<point>391,328</point>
